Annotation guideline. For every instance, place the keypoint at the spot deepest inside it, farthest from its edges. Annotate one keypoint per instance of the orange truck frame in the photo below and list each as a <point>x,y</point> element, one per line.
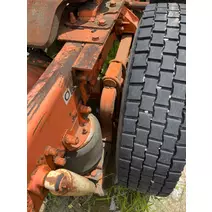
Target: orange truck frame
<point>60,124</point>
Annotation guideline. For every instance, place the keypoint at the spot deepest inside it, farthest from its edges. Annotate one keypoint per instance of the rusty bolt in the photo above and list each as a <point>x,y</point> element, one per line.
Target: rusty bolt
<point>95,37</point>
<point>84,109</point>
<point>70,139</point>
<point>59,161</point>
<point>50,151</point>
<point>102,22</point>
<point>112,3</point>
<point>84,131</point>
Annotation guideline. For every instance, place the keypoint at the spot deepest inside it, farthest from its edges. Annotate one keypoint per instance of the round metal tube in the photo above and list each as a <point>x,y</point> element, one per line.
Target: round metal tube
<point>62,182</point>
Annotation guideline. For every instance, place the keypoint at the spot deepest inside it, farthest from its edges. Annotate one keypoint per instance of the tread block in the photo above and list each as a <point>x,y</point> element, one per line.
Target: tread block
<point>178,166</point>
<point>169,143</point>
<point>127,140</point>
<point>176,109</point>
<point>124,163</point>
<point>147,103</point>
<point>171,47</point>
<point>180,153</point>
<point>145,33</point>
<point>179,91</point>
<point>132,109</point>
<point>173,14</point>
<point>160,114</point>
<point>161,17</point>
<point>183,19</point>
<point>173,176</point>
<point>140,60</point>
<point>139,150</point>
<point>150,7</point>
<point>141,136</point>
<point>182,140</point>
<point>182,6</point>
<point>151,160</point>
<point>122,183</point>
<point>144,119</point>
<point>168,62</point>
<point>153,68</point>
<point>170,185</point>
<point>143,187</point>
<point>173,126</point>
<point>156,131</point>
<point>125,153</point>
<point>153,147</point>
<point>172,33</point>
<point>173,22</point>
<point>156,53</point>
<point>135,172</point>
<point>150,85</point>
<point>183,29</point>
<point>182,43</point>
<point>165,157</point>
<point>148,171</point>
<point>161,10</point>
<point>137,76</point>
<point>129,125</point>
<point>157,186</point>
<point>184,119</point>
<point>180,73</point>
<point>147,22</point>
<point>157,39</point>
<point>166,79</point>
<point>137,162</point>
<point>159,178</point>
<point>160,26</point>
<point>123,172</point>
<point>132,185</point>
<point>134,92</point>
<point>163,5</point>
<point>165,192</point>
<point>183,12</point>
<point>163,97</point>
<point>181,56</point>
<point>142,46</point>
<point>146,179</point>
<point>173,6</point>
<point>162,169</point>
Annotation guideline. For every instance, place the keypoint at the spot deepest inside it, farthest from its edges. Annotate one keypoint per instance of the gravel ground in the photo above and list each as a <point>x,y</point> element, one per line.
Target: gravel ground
<point>176,202</point>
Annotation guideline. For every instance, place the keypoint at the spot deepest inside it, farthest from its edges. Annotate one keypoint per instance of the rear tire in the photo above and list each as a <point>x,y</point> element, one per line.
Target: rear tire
<point>151,143</point>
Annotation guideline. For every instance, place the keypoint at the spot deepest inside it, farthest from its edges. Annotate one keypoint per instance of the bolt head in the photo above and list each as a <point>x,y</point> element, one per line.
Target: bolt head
<point>102,22</point>
<point>112,3</point>
<point>95,37</point>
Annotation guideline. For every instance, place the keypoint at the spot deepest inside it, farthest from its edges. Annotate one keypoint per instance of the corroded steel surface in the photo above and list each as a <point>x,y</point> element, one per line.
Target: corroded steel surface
<point>112,81</point>
<point>66,183</point>
<point>40,19</point>
<point>88,57</point>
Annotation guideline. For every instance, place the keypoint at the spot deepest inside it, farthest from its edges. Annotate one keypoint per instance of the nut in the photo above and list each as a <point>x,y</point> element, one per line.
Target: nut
<point>102,22</point>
